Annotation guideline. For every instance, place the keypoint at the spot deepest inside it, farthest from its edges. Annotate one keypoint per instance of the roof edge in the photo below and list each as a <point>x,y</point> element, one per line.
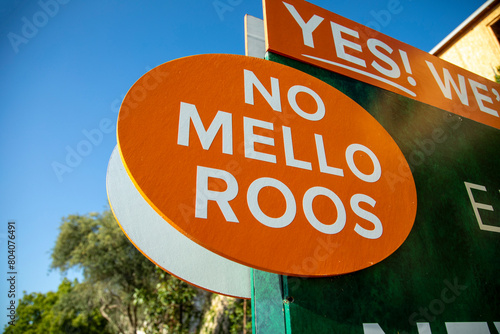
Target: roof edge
<point>444,43</point>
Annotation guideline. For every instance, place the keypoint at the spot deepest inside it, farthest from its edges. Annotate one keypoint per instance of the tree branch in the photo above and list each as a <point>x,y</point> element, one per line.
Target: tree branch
<point>108,318</point>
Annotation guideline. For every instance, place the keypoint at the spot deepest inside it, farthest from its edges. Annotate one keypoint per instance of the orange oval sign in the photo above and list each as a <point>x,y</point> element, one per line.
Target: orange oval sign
<point>265,165</point>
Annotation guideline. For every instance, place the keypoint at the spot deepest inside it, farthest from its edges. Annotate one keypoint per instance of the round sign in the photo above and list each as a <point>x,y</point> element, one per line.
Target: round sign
<point>164,245</point>
<point>266,165</point>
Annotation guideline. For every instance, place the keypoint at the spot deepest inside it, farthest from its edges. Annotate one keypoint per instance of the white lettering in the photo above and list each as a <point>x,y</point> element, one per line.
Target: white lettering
<point>251,138</point>
<point>323,166</point>
<point>307,28</point>
<point>292,99</point>
<point>272,98</point>
<point>307,201</point>
<point>481,97</point>
<point>222,120</point>
<point>289,155</point>
<point>377,170</point>
<point>222,198</point>
<point>373,44</point>
<point>476,206</point>
<point>467,327</point>
<point>368,234</point>
<point>341,43</point>
<point>253,202</point>
<point>445,86</point>
<point>423,328</point>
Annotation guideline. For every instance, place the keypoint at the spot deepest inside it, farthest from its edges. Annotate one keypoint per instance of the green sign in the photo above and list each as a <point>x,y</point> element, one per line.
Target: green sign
<point>445,278</point>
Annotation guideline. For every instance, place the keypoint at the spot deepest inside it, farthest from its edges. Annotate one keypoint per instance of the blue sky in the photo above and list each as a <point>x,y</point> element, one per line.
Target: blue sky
<point>67,79</point>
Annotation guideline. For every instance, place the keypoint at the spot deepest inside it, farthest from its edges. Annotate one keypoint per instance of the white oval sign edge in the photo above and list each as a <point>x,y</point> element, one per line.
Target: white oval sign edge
<point>164,245</point>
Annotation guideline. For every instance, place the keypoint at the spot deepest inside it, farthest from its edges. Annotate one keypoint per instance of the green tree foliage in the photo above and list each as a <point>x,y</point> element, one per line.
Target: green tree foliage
<point>497,75</point>
<point>169,308</point>
<point>39,313</point>
<point>127,289</point>
<point>240,317</point>
<point>121,292</point>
